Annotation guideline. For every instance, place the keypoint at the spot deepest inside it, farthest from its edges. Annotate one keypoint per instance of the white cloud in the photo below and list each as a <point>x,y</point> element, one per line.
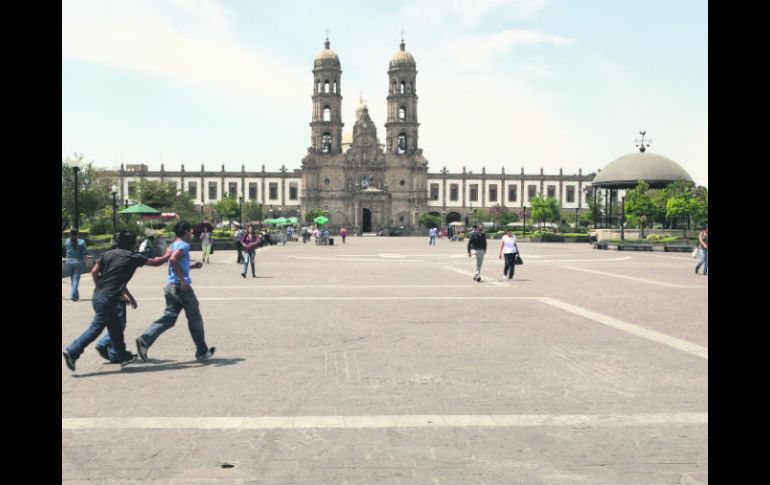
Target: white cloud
<point>468,13</point>
<point>180,46</point>
<point>476,50</point>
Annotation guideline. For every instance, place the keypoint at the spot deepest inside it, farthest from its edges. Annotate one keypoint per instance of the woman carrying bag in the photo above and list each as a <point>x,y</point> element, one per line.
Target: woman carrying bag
<point>509,248</point>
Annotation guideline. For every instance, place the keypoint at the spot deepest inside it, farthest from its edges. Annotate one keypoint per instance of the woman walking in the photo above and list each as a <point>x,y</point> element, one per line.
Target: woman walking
<point>206,243</point>
<point>703,251</point>
<point>508,248</point>
<point>249,242</point>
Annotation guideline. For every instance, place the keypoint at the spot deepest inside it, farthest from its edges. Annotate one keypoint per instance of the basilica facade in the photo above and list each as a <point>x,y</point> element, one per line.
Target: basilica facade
<point>366,185</point>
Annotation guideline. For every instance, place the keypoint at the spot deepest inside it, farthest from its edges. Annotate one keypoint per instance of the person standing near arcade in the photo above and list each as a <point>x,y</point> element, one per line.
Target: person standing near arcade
<point>249,242</point>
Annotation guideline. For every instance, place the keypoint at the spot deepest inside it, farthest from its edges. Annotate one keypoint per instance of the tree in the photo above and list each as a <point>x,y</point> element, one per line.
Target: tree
<point>252,211</point>
<point>678,204</point>
<point>94,187</point>
<point>498,211</point>
<point>313,213</point>
<point>156,194</point>
<point>639,203</point>
<point>185,208</point>
<point>429,220</point>
<point>545,209</point>
<point>227,207</point>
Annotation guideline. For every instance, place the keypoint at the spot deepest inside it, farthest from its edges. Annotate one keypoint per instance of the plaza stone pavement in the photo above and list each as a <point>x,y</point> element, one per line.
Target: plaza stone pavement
<point>382,361</point>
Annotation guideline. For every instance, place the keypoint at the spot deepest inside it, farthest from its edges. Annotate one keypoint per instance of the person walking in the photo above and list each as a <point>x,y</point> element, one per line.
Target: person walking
<point>432,236</point>
<point>75,252</point>
<point>508,248</point>
<point>238,246</point>
<point>206,244</point>
<point>343,234</point>
<point>249,242</point>
<point>179,294</point>
<point>111,275</point>
<point>703,251</point>
<point>104,343</point>
<point>477,246</point>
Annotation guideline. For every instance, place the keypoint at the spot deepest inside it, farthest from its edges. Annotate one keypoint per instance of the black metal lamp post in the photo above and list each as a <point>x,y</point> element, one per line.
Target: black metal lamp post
<point>240,210</point>
<point>114,208</point>
<point>576,218</point>
<point>125,204</point>
<point>524,208</point>
<point>75,164</point>
<point>622,217</point>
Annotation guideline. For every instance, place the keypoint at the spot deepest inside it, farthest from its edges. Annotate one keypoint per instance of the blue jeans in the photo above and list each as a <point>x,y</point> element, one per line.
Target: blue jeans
<point>104,340</point>
<point>176,300</point>
<point>248,258</point>
<point>106,315</point>
<point>432,240</point>
<point>75,267</point>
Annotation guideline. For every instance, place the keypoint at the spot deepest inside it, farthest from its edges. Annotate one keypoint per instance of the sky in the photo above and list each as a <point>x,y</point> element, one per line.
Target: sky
<point>501,83</point>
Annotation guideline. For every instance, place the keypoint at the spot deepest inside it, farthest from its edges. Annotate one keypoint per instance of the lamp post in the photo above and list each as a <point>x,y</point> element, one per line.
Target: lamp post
<point>125,205</point>
<point>576,218</point>
<point>75,164</point>
<point>114,208</point>
<point>240,211</point>
<point>622,217</point>
<point>524,208</point>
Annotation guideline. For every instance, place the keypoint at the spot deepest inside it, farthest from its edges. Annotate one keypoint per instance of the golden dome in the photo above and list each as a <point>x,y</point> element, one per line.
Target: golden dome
<point>326,56</point>
<point>402,57</point>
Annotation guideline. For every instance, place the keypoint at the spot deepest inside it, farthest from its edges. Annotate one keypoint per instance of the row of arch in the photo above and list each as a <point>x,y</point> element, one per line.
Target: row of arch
<point>326,114</point>
<point>402,88</point>
<point>402,143</point>
<point>326,87</point>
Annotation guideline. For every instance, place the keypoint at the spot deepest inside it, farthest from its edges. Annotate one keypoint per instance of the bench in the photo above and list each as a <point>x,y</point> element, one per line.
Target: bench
<point>634,246</point>
<point>603,244</point>
<point>679,247</point>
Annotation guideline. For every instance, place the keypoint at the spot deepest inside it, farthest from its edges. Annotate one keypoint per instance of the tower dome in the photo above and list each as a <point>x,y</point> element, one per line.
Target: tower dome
<point>402,57</point>
<point>326,57</point>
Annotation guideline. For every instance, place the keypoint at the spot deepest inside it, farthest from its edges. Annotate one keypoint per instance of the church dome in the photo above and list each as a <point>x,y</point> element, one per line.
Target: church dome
<point>626,171</point>
<point>402,57</point>
<point>326,57</point>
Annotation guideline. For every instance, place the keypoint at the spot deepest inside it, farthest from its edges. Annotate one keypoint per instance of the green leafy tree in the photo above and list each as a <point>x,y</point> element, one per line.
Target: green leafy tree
<point>678,204</point>
<point>94,187</point>
<point>227,207</point>
<point>252,211</point>
<point>429,220</point>
<point>185,208</point>
<point>313,213</point>
<point>639,204</point>
<point>699,206</point>
<point>156,194</point>
<point>545,209</point>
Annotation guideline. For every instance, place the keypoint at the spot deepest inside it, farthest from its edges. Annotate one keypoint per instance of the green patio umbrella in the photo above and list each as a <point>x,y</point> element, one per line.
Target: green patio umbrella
<point>268,221</point>
<point>292,220</point>
<point>321,220</point>
<point>139,209</point>
<point>281,221</point>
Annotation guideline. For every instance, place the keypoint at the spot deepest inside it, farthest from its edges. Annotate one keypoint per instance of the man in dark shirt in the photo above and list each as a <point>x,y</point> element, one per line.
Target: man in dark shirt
<point>111,275</point>
<point>477,246</point>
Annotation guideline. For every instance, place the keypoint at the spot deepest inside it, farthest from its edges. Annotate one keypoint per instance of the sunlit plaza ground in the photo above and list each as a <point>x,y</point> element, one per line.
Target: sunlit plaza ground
<point>382,361</point>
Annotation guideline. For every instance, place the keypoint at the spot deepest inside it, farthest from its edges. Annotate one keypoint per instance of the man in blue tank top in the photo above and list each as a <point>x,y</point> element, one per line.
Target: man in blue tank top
<point>179,294</point>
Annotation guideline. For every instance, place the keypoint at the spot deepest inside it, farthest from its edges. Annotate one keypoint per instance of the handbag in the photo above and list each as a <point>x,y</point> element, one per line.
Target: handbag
<point>518,260</point>
<point>695,253</point>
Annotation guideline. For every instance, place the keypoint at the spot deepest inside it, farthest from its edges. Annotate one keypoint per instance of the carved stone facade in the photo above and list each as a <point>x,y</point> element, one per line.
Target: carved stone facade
<point>368,187</point>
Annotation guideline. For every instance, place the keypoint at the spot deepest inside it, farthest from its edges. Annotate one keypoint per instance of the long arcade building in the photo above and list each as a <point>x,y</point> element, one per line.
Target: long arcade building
<point>364,184</point>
